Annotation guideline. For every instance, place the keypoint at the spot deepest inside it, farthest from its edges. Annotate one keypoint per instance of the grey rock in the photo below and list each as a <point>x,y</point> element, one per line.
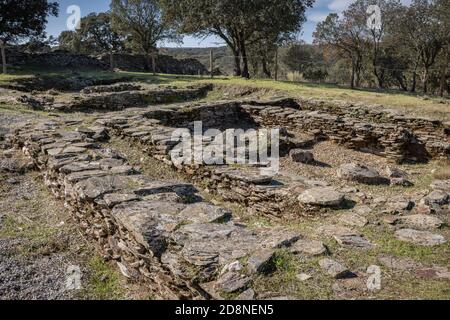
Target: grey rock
<point>232,282</point>
<point>421,221</point>
<point>437,197</point>
<point>353,220</point>
<point>353,242</point>
<point>298,155</point>
<point>362,174</point>
<point>443,185</point>
<point>309,247</point>
<point>261,261</point>
<point>247,295</point>
<point>423,238</point>
<point>334,268</point>
<point>322,197</point>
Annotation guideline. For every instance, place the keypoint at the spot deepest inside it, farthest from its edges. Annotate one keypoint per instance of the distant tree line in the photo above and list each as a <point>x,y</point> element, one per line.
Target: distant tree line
<point>409,49</point>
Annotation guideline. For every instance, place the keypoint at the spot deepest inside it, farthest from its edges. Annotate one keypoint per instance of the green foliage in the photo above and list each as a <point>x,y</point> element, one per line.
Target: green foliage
<point>24,18</point>
<point>141,22</point>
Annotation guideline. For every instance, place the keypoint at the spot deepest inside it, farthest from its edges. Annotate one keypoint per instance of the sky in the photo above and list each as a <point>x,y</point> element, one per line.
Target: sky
<point>314,15</point>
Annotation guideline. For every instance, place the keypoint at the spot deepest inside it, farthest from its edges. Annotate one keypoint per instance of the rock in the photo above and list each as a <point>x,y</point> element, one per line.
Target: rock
<point>393,172</point>
<point>353,220</point>
<point>423,238</point>
<point>399,205</point>
<point>390,219</point>
<point>322,197</point>
<point>334,268</point>
<point>124,270</point>
<point>434,272</point>
<point>402,182</point>
<point>261,261</point>
<point>362,210</point>
<point>353,241</point>
<point>437,197</point>
<point>362,174</point>
<point>247,295</point>
<point>336,230</point>
<point>309,247</point>
<point>350,288</point>
<point>232,282</point>
<point>303,276</point>
<point>421,221</point>
<point>298,155</point>
<point>235,266</point>
<point>398,263</point>
<point>443,185</point>
<point>113,199</point>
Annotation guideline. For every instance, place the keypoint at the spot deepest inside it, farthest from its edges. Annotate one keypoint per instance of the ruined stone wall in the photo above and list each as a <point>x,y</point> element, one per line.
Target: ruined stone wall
<point>161,233</point>
<point>164,64</point>
<point>125,62</point>
<point>63,60</point>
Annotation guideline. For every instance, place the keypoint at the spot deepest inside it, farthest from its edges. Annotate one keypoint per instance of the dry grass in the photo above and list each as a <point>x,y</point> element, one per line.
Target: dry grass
<point>443,171</point>
<point>413,104</point>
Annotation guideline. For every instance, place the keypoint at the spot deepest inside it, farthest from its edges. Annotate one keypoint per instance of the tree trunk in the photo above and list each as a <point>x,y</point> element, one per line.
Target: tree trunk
<point>352,81</point>
<point>154,63</point>
<point>444,71</point>
<point>245,72</point>
<point>425,80</point>
<point>414,81</point>
<point>237,64</point>
<point>3,53</point>
<point>266,70</point>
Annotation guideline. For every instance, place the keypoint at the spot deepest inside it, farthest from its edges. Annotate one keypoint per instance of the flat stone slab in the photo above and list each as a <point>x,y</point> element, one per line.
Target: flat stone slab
<point>421,221</point>
<point>423,238</point>
<point>308,247</point>
<point>336,230</point>
<point>353,220</point>
<point>334,268</point>
<point>443,185</point>
<point>354,242</point>
<point>322,197</point>
<point>437,197</point>
<point>362,174</point>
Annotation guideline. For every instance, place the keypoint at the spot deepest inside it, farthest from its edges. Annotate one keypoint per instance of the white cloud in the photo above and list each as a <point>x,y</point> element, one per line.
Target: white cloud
<point>317,17</point>
<point>339,5</point>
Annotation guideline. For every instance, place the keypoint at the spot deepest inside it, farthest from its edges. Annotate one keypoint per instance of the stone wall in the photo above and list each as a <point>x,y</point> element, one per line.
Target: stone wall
<point>164,64</point>
<point>63,60</point>
<point>125,62</point>
<point>160,233</point>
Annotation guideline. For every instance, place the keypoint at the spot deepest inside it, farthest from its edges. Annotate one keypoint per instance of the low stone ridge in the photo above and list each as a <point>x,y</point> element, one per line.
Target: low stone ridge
<point>146,226</point>
<point>118,97</point>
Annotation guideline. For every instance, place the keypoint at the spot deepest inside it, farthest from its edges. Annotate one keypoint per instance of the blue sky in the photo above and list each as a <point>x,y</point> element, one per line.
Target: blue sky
<point>318,13</point>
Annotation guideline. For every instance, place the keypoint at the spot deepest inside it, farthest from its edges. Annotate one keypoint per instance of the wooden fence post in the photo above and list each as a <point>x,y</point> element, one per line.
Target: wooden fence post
<point>211,63</point>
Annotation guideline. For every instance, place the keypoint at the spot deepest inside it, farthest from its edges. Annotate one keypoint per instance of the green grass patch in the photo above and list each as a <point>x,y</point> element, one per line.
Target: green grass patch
<point>103,281</point>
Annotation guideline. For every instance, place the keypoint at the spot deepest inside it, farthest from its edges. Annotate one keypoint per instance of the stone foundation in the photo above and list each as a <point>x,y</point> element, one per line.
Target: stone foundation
<point>160,232</point>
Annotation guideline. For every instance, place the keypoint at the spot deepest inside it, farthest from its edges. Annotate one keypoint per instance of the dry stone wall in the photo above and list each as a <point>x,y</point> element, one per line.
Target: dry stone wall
<point>161,232</point>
